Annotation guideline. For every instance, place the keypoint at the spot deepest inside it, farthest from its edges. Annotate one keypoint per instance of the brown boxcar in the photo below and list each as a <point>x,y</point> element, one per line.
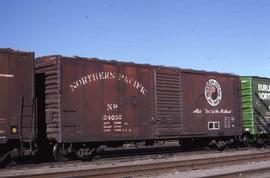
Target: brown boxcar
<point>95,101</point>
<point>197,103</point>
<point>17,113</point>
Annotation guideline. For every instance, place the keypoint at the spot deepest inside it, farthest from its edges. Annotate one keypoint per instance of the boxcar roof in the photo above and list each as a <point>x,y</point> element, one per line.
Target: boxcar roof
<point>84,59</point>
<point>13,51</point>
<point>259,77</point>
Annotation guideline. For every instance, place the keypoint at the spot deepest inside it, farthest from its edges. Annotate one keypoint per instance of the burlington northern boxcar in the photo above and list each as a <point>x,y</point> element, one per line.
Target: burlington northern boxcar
<point>256,108</point>
<point>88,103</point>
<point>17,105</point>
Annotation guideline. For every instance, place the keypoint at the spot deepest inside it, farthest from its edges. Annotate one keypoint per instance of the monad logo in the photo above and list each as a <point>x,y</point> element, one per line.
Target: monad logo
<point>212,92</point>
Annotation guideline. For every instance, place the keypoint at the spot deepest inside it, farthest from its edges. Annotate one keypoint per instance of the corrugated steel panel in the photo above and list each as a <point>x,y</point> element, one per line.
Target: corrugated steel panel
<point>247,104</point>
<point>168,101</point>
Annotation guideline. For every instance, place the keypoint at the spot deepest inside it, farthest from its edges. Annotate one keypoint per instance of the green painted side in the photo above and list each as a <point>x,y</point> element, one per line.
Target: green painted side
<point>247,104</point>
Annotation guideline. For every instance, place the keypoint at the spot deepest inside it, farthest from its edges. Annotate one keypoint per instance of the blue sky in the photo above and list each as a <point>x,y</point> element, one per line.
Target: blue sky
<point>218,35</point>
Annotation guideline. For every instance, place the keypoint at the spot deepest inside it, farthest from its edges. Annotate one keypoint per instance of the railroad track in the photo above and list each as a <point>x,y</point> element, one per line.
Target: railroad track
<point>257,172</point>
<point>143,167</point>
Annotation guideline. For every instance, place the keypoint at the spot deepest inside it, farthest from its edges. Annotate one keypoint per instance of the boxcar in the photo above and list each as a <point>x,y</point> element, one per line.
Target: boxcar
<point>17,113</point>
<point>256,105</point>
<point>91,102</point>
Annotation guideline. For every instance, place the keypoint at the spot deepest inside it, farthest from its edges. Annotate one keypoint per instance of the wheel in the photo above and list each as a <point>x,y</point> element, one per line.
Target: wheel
<point>59,153</point>
<point>4,159</point>
<point>247,140</point>
<point>86,153</point>
<point>186,144</point>
<point>221,145</point>
<point>260,142</point>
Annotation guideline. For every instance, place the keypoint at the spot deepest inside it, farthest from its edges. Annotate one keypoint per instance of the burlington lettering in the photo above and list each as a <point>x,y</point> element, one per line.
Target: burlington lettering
<point>264,91</point>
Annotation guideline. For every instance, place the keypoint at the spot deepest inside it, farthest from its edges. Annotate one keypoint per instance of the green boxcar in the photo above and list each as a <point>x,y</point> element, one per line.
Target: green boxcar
<point>256,105</point>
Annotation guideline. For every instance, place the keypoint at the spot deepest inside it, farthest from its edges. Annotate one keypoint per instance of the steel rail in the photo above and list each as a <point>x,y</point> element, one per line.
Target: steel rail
<point>144,167</point>
<point>256,172</point>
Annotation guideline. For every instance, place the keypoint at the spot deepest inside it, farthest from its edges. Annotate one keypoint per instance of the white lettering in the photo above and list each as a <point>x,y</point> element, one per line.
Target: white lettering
<point>211,111</point>
<point>107,127</point>
<point>263,87</point>
<point>117,130</point>
<point>264,96</point>
<point>117,123</point>
<point>7,75</point>
<point>112,117</point>
<point>107,76</point>
<point>114,123</point>
<point>107,130</point>
<point>112,107</point>
<point>197,111</point>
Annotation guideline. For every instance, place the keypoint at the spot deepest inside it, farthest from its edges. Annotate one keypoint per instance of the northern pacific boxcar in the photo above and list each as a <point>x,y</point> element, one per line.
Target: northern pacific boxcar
<point>17,111</point>
<point>196,103</point>
<point>211,103</point>
<point>90,102</point>
<point>256,106</point>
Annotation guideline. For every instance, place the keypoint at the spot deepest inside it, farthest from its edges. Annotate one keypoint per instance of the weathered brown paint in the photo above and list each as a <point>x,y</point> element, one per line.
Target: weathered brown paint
<point>99,100</point>
<point>17,95</point>
<point>197,111</point>
<point>90,100</point>
<point>183,110</point>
